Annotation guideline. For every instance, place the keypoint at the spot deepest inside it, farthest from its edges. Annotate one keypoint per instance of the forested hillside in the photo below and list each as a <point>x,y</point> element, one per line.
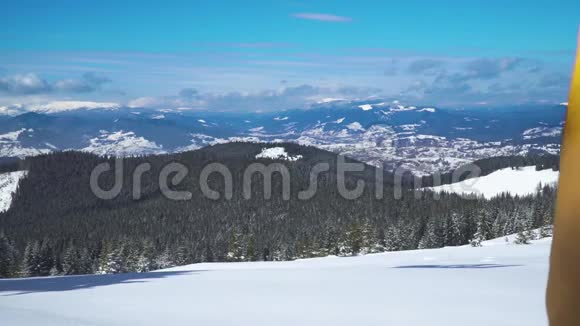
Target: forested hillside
<point>56,225</point>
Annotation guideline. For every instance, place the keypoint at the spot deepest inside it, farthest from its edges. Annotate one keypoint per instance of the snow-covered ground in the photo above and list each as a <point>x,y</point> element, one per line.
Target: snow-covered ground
<point>499,284</point>
<point>277,153</point>
<point>10,145</point>
<point>8,185</point>
<point>523,181</point>
<point>122,143</point>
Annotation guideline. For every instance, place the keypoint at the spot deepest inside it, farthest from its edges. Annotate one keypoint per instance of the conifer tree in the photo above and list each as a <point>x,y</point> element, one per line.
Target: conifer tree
<point>86,262</point>
<point>393,239</point>
<point>354,240</point>
<point>31,260</point>
<point>130,255</point>
<point>164,260</point>
<point>71,263</point>
<point>235,250</point>
<point>103,261</point>
<point>45,258</point>
<point>452,230</point>
<point>8,258</point>
<point>115,261</point>
<point>146,261</point>
<point>523,238</point>
<point>546,231</point>
<point>251,249</point>
<point>181,256</point>
<point>479,235</point>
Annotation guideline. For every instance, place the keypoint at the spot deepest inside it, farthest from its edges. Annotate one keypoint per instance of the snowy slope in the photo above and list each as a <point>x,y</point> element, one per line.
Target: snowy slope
<point>122,144</point>
<point>521,182</point>
<point>11,146</point>
<point>8,185</point>
<point>499,285</point>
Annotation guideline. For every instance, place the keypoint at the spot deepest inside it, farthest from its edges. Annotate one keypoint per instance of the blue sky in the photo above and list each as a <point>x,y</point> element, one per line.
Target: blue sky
<point>267,55</point>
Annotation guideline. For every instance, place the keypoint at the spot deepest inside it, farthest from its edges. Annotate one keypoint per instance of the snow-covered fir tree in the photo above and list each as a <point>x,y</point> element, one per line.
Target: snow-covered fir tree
<point>8,258</point>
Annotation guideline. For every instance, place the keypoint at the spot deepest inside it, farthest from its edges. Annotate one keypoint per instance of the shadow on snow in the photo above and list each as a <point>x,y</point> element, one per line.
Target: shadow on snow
<point>77,282</point>
<point>460,266</point>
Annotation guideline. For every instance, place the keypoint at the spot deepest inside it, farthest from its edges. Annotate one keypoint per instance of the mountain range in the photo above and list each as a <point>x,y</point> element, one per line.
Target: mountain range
<point>421,138</point>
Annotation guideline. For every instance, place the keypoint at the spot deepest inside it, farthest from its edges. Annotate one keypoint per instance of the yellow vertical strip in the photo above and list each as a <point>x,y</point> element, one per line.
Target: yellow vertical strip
<point>563,297</point>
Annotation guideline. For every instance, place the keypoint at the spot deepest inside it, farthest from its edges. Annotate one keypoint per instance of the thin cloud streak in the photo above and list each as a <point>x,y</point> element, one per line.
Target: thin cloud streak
<point>322,17</point>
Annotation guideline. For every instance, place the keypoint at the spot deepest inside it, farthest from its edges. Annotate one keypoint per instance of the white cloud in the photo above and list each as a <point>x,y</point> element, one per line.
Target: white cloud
<point>11,110</point>
<point>322,17</point>
<point>143,102</point>
<point>294,97</point>
<point>30,83</point>
<point>24,84</point>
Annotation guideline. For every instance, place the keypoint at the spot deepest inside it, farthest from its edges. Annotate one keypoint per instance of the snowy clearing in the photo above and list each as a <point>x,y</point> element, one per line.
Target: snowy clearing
<point>10,146</point>
<point>356,126</point>
<point>330,99</point>
<point>523,181</point>
<point>542,132</point>
<point>431,110</point>
<point>365,107</point>
<point>8,185</point>
<point>277,153</point>
<point>500,285</point>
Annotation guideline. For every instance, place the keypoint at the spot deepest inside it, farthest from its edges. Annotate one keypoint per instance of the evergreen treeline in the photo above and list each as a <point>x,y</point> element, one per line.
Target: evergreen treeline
<point>56,226</point>
<point>10,164</point>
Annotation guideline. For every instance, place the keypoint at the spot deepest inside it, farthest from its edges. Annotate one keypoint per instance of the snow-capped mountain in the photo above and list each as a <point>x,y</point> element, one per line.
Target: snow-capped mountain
<point>63,106</point>
<point>421,138</point>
